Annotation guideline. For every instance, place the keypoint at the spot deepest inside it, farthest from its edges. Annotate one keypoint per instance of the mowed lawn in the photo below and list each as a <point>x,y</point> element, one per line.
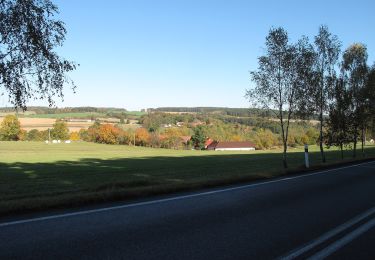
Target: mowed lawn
<point>35,175</point>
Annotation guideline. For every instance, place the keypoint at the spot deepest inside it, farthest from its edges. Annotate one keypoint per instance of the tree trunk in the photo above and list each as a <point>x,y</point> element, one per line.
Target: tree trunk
<point>285,163</point>
<point>355,142</point>
<point>321,138</point>
<point>342,152</point>
<point>285,143</point>
<point>363,141</point>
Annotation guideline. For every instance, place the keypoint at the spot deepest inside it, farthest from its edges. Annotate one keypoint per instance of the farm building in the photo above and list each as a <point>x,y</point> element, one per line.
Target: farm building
<point>231,146</point>
<point>208,142</point>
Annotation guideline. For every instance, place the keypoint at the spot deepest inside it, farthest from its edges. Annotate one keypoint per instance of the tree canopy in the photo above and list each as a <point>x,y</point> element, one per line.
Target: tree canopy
<point>30,67</point>
<point>60,130</point>
<point>280,78</point>
<point>10,128</point>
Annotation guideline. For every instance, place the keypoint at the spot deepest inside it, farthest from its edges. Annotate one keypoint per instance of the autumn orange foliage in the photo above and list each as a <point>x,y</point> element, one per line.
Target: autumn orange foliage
<point>141,136</point>
<point>74,136</point>
<point>108,134</point>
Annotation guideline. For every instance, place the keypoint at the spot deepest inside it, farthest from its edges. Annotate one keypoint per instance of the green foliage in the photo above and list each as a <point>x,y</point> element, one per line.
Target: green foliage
<point>339,132</point>
<point>264,139</point>
<point>279,79</point>
<point>10,128</point>
<point>153,121</point>
<point>355,71</point>
<point>60,130</point>
<point>22,136</point>
<point>92,133</point>
<point>199,138</point>
<point>35,135</point>
<point>312,135</point>
<point>84,135</point>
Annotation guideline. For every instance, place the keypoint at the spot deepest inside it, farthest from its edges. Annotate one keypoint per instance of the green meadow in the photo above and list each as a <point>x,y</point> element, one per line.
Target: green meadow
<point>35,175</point>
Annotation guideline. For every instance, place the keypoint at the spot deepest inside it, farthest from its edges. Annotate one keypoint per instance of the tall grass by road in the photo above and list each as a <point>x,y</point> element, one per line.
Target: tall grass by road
<point>35,175</point>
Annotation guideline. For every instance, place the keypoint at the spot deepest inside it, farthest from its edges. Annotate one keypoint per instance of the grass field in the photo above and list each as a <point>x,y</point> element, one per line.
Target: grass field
<point>35,175</point>
<point>135,113</point>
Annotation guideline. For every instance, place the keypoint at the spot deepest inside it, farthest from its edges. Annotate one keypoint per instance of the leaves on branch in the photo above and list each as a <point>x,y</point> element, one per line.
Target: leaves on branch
<point>29,64</point>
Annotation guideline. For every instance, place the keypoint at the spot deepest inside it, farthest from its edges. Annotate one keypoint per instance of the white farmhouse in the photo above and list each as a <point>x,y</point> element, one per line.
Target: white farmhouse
<point>231,146</point>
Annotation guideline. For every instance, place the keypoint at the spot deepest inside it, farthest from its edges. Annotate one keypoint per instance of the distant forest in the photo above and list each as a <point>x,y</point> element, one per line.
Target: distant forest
<point>51,110</point>
<point>228,111</point>
<point>241,112</point>
<point>231,115</point>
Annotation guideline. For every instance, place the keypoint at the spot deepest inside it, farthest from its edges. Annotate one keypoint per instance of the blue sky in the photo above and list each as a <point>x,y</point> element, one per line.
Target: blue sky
<point>138,54</point>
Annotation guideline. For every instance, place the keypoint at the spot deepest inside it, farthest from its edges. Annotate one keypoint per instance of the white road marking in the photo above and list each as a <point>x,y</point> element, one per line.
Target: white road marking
<point>295,253</point>
<point>343,241</point>
<point>84,212</point>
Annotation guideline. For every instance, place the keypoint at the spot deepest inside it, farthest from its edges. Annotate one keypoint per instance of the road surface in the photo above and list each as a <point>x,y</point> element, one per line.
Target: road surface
<point>323,214</point>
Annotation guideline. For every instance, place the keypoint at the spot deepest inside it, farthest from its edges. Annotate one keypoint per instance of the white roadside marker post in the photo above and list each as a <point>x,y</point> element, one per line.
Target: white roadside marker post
<point>307,156</point>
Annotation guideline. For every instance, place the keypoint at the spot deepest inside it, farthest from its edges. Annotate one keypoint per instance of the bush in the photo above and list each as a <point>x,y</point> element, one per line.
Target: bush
<point>60,130</point>
<point>22,136</point>
<point>34,135</point>
<point>74,136</point>
<point>10,128</point>
<point>108,134</point>
<point>84,135</point>
<point>264,139</point>
<point>142,136</point>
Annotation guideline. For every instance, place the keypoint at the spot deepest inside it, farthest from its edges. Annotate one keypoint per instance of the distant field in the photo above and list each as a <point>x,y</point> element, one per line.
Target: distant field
<point>29,120</point>
<point>135,113</point>
<point>81,115</point>
<point>37,175</point>
<point>41,123</point>
<point>45,123</point>
<point>26,113</point>
<point>67,115</point>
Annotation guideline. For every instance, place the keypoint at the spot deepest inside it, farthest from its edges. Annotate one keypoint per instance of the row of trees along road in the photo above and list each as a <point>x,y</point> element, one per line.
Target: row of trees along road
<point>303,79</point>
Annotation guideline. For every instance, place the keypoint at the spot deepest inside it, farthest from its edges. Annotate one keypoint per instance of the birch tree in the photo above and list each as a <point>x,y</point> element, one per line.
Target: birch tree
<point>29,64</point>
<point>277,79</point>
<point>327,48</point>
<point>355,68</point>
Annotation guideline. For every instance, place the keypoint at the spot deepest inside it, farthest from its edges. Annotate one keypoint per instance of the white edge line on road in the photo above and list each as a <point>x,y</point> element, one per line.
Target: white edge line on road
<point>297,252</point>
<point>84,212</point>
<point>343,241</point>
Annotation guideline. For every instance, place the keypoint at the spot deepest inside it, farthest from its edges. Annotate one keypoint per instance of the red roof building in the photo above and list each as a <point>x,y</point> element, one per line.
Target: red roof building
<point>208,142</point>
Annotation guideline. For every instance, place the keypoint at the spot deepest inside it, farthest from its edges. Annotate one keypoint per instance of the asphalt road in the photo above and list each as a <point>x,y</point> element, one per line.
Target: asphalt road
<point>323,214</point>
